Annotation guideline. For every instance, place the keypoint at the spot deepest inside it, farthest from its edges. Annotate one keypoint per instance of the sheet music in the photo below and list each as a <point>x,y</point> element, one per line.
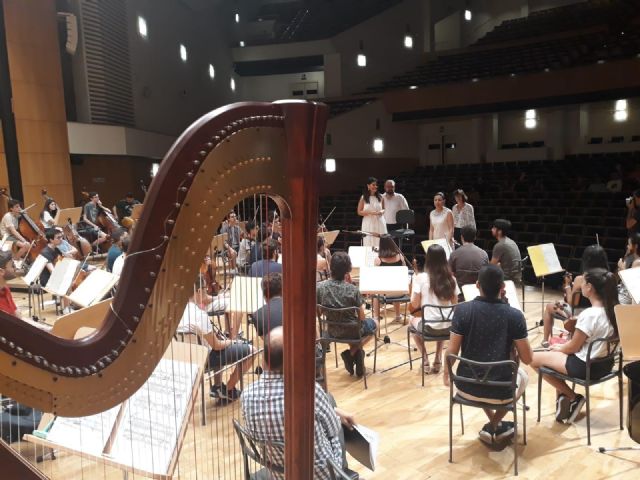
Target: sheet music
<point>362,256</point>
<point>150,426</point>
<point>362,444</point>
<point>544,259</point>
<point>329,237</point>
<point>85,434</point>
<point>384,280</point>
<point>94,287</point>
<point>245,295</point>
<point>470,291</point>
<point>36,269</point>
<point>62,276</point>
<point>631,279</point>
<point>440,241</point>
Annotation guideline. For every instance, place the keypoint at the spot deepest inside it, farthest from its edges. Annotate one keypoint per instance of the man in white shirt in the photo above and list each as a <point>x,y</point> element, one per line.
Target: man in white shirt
<point>393,202</point>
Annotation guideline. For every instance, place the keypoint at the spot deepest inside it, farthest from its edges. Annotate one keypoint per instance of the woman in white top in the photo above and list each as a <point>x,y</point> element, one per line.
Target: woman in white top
<point>462,214</point>
<point>49,213</point>
<point>435,286</point>
<point>440,220</point>
<point>371,209</point>
<point>597,321</point>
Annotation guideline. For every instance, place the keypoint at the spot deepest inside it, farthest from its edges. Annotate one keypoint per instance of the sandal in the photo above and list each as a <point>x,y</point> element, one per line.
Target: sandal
<point>427,368</point>
<point>437,365</point>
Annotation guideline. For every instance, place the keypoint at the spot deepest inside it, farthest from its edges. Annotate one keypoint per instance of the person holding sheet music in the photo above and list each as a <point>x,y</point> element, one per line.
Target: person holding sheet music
<point>7,272</point>
<point>223,351</point>
<point>597,321</point>
<point>389,255</point>
<point>435,286</point>
<point>594,256</point>
<point>371,209</point>
<point>440,220</point>
<point>506,252</point>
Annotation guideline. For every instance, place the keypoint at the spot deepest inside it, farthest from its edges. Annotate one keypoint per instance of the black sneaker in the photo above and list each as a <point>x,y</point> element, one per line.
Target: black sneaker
<point>215,390</point>
<point>575,407</point>
<point>562,408</point>
<point>504,431</point>
<point>359,358</point>
<point>233,394</point>
<point>348,360</point>
<point>486,434</point>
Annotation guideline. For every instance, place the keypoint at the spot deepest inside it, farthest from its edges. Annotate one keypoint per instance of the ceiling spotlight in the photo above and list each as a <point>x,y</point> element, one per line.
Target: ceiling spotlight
<point>330,165</point>
<point>413,87</point>
<point>361,60</point>
<point>378,145</point>
<point>408,41</point>
<point>467,15</point>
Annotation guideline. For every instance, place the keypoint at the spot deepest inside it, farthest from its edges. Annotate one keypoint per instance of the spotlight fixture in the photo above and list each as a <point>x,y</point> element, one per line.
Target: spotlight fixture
<point>378,145</point>
<point>330,165</point>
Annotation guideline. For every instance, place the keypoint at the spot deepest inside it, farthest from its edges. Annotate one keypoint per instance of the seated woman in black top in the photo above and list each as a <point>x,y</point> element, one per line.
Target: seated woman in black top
<point>389,255</point>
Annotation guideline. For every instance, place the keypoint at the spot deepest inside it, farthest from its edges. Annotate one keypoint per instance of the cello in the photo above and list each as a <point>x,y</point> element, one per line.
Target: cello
<point>31,231</point>
<point>82,246</point>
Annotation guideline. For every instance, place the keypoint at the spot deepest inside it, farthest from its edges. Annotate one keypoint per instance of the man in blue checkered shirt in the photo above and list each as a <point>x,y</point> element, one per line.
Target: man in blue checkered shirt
<point>263,412</point>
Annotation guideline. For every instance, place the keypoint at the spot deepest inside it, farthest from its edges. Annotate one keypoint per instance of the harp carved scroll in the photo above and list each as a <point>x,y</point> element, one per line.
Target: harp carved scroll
<point>231,153</point>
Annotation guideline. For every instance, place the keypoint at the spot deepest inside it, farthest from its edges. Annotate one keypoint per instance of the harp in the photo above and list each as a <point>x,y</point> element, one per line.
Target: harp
<point>243,150</point>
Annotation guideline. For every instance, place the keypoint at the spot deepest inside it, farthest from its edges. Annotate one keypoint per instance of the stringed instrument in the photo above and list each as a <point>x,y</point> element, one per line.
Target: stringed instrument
<point>31,231</point>
<point>235,152</point>
<point>82,246</point>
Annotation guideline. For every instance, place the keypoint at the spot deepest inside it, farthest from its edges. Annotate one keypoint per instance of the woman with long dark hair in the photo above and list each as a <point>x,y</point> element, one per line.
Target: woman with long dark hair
<point>597,321</point>
<point>389,255</point>
<point>49,212</point>
<point>435,286</point>
<point>594,256</point>
<point>371,209</point>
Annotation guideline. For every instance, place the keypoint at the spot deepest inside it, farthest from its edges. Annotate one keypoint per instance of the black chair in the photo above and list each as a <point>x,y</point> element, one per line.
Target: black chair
<point>614,353</point>
<point>326,325</point>
<point>406,217</point>
<point>446,314</point>
<point>258,452</point>
<point>481,372</point>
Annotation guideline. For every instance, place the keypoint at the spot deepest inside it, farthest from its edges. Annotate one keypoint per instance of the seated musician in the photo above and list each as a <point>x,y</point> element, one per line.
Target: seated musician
<point>246,244</point>
<point>47,217</point>
<point>339,292</point>
<point>124,207</point>
<point>594,256</point>
<point>389,255</point>
<point>9,228</point>
<point>323,259</point>
<point>435,286</point>
<point>269,262</point>
<point>597,321</point>
<point>90,218</point>
<point>631,260</point>
<point>255,253</point>
<point>231,227</point>
<point>115,250</point>
<point>489,330</point>
<point>223,351</point>
<point>263,411</point>
<point>51,252</point>
<point>118,263</point>
<point>269,316</point>
<point>7,272</point>
<point>506,252</point>
<point>66,249</point>
<point>466,261</point>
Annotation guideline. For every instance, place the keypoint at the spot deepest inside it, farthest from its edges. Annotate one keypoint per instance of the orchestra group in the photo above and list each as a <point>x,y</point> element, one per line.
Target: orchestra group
<point>483,329</point>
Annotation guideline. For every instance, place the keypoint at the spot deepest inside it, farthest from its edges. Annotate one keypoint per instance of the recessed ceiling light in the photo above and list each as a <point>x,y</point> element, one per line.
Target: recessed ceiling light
<point>413,87</point>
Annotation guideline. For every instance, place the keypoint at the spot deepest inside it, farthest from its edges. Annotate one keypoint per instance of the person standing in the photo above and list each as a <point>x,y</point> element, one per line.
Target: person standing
<point>440,220</point>
<point>371,209</point>
<point>393,202</point>
<point>463,215</point>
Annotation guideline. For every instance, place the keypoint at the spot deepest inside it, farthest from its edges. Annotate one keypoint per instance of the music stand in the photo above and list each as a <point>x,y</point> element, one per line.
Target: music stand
<point>329,237</point>
<point>93,289</point>
<point>544,260</point>
<point>65,216</point>
<point>440,241</point>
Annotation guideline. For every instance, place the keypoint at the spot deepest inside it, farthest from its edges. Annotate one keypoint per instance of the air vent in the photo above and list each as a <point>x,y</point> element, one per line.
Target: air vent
<point>107,63</point>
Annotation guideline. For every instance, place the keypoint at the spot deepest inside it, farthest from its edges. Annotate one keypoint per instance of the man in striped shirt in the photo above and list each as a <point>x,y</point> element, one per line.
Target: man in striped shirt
<point>263,412</point>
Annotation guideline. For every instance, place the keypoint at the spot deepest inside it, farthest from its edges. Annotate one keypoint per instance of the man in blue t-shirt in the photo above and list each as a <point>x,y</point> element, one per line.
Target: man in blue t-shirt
<point>269,263</point>
<point>489,330</point>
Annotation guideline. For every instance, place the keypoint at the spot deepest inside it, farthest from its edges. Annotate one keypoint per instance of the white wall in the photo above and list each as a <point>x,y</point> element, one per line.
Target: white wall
<point>352,134</point>
<point>267,88</point>
<point>487,14</point>
<point>448,32</point>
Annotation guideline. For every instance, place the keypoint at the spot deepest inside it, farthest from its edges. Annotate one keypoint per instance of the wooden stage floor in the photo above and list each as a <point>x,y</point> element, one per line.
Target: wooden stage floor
<point>412,422</point>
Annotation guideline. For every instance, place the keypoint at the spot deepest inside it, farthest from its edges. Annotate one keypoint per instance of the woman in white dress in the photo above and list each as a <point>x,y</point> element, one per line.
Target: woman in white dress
<point>371,209</point>
<point>440,220</point>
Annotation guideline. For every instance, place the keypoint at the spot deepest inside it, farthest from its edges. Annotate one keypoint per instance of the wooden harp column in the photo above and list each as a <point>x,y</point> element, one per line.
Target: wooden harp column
<point>229,154</point>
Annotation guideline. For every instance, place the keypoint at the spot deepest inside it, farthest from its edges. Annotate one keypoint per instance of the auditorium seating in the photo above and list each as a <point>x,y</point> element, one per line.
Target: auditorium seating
<point>338,107</point>
<point>555,211</point>
<point>562,19</point>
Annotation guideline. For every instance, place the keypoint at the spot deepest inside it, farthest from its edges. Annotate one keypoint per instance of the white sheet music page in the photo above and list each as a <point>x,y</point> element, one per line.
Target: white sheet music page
<point>149,430</point>
<point>631,280</point>
<point>84,434</point>
<point>361,256</point>
<point>470,291</point>
<point>384,280</point>
<point>62,276</point>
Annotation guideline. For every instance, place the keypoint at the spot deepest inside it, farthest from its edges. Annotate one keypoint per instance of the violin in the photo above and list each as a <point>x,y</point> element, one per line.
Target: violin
<point>206,269</point>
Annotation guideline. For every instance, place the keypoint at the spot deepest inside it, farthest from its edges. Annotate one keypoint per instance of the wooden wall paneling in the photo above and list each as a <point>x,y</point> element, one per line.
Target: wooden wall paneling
<point>33,101</point>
